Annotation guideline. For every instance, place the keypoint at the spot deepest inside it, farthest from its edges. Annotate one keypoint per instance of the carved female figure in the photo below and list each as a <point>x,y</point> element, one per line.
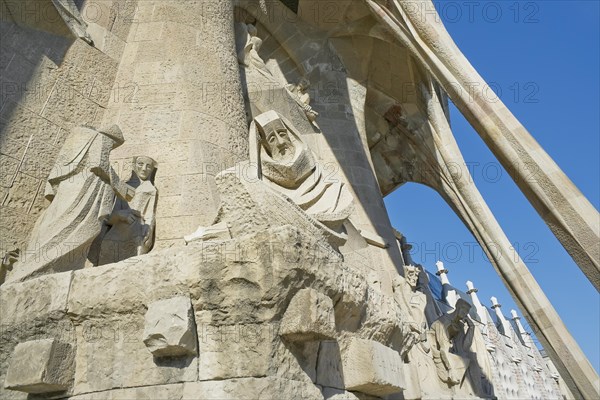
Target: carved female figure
<point>130,226</point>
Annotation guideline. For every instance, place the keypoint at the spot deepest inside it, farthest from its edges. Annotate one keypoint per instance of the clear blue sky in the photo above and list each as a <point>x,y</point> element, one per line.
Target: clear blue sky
<point>544,58</point>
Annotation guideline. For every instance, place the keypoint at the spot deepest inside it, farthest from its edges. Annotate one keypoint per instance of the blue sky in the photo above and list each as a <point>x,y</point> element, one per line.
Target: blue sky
<point>543,59</point>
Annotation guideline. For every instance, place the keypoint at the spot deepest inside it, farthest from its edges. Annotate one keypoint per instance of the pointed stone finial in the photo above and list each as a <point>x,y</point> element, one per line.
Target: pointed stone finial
<point>471,288</point>
<point>442,273</point>
<point>450,294</point>
<point>504,325</point>
<point>495,304</point>
<point>524,336</point>
<point>481,312</point>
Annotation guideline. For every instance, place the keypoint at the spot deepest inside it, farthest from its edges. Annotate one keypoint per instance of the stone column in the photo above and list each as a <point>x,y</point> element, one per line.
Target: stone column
<point>178,99</point>
<point>439,154</point>
<point>571,217</point>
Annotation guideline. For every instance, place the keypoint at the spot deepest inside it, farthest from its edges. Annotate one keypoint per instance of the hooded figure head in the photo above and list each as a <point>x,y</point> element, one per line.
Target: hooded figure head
<point>278,152</point>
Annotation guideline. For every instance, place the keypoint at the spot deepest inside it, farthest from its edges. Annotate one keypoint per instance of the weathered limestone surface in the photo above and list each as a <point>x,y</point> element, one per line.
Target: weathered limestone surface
<point>291,289</point>
<point>50,85</point>
<point>169,328</point>
<point>372,368</point>
<point>235,292</point>
<point>309,317</point>
<point>40,366</point>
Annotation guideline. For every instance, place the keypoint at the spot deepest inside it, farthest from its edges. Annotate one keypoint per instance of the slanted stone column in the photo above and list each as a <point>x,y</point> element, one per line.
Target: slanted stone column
<point>178,99</point>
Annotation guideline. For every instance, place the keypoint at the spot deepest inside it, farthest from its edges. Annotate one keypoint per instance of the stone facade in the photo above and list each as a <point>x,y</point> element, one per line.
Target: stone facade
<point>225,235</point>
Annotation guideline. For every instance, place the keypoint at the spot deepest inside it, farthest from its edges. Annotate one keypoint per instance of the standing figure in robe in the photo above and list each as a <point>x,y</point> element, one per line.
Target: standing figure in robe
<point>80,191</point>
<point>129,230</point>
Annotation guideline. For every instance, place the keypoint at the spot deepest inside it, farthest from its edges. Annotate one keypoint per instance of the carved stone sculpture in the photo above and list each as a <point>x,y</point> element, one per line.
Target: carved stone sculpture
<point>129,230</point>
<point>453,335</point>
<point>80,190</point>
<point>282,170</point>
<point>415,303</point>
<point>9,258</point>
<point>420,371</point>
<point>300,93</point>
<point>248,52</point>
<point>286,164</point>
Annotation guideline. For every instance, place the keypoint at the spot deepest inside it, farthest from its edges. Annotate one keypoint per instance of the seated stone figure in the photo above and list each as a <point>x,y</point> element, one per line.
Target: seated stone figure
<point>286,164</point>
<point>80,190</point>
<point>129,230</point>
<point>281,184</point>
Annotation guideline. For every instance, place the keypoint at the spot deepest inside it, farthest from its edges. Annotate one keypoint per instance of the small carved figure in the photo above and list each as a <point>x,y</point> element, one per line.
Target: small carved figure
<point>9,258</point>
<point>129,230</point>
<point>248,54</point>
<point>421,376</point>
<point>300,94</point>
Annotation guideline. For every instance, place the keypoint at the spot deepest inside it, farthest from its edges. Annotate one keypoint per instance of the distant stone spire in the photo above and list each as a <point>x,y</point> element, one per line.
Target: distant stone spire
<point>504,325</point>
<point>442,273</point>
<point>523,334</point>
<point>472,291</point>
<point>449,293</point>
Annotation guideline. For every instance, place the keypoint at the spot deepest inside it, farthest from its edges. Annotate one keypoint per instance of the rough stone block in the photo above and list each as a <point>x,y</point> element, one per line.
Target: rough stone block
<point>40,366</point>
<point>372,368</point>
<point>170,329</point>
<point>251,389</point>
<point>234,351</point>
<point>329,365</point>
<point>309,317</point>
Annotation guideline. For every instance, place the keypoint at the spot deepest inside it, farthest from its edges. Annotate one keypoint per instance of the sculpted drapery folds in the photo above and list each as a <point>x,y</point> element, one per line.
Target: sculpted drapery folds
<point>286,164</point>
<point>130,227</point>
<point>281,170</point>
<point>80,190</point>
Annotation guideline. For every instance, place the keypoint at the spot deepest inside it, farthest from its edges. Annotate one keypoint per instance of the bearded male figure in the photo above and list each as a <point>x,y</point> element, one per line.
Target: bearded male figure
<point>286,164</point>
<point>281,170</point>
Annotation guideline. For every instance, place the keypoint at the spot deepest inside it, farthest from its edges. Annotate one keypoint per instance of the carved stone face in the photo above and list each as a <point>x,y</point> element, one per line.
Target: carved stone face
<point>303,85</point>
<point>144,166</point>
<point>278,144</point>
<point>462,309</point>
<point>411,274</point>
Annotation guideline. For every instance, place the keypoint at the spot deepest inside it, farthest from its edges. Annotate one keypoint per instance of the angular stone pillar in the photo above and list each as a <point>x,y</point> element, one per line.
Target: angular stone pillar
<point>178,100</point>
